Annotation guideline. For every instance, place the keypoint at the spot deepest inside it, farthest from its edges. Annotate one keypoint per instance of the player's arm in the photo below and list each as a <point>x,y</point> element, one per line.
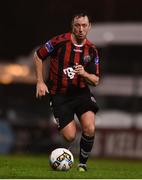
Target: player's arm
<point>92,79</point>
<point>41,88</point>
<point>40,55</point>
<point>92,70</point>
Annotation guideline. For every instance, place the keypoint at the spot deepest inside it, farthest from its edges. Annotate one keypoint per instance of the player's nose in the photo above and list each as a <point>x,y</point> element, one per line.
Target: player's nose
<point>80,29</point>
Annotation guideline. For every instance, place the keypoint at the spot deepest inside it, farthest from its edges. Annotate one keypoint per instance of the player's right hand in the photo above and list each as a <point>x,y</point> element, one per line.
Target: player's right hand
<point>41,89</point>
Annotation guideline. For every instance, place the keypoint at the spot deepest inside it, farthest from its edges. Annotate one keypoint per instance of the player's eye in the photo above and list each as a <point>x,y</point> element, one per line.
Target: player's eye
<point>77,25</point>
<point>84,25</point>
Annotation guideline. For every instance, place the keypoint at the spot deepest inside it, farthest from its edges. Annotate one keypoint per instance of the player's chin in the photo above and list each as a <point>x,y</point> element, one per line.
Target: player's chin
<point>81,37</point>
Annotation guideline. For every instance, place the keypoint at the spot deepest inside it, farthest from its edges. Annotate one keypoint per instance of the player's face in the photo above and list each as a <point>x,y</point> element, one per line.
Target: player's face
<point>80,27</point>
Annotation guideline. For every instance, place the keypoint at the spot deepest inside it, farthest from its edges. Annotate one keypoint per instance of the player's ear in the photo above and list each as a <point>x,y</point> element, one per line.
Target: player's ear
<point>71,26</point>
<point>90,26</point>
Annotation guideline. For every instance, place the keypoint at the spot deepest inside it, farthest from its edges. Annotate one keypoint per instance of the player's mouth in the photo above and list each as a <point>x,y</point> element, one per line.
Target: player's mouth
<point>80,35</point>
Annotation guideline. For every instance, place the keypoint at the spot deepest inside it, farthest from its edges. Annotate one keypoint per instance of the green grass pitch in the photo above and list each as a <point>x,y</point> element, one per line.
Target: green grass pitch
<point>37,167</point>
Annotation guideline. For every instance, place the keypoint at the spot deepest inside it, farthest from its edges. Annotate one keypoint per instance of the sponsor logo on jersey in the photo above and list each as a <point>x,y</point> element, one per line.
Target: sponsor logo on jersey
<point>49,46</point>
<point>86,59</point>
<point>69,72</point>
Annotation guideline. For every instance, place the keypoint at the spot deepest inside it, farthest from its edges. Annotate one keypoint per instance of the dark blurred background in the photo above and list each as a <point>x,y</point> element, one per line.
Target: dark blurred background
<point>26,24</point>
<point>26,124</point>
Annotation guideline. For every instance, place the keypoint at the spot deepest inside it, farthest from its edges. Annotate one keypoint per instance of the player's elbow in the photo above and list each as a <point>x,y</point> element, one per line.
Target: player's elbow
<point>36,58</point>
<point>97,81</point>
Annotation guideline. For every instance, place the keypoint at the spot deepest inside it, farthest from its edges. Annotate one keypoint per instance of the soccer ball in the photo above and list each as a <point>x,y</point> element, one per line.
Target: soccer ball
<point>61,159</point>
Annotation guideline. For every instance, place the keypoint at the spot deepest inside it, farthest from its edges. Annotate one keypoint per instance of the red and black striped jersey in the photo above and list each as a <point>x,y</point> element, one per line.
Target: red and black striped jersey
<point>64,55</point>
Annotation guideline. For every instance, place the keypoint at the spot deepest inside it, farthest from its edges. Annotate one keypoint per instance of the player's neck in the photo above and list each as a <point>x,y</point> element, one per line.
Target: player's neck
<point>77,41</point>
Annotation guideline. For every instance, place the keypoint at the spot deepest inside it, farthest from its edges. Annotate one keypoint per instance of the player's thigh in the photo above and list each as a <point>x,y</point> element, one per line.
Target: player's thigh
<point>87,121</point>
<point>86,114</point>
<point>62,111</point>
<point>69,131</point>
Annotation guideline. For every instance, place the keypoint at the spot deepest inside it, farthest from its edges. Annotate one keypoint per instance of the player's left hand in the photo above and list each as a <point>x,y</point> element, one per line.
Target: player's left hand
<point>79,69</point>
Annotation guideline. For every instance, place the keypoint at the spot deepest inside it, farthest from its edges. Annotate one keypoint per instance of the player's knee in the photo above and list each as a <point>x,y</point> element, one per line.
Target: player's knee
<point>89,130</point>
<point>69,137</point>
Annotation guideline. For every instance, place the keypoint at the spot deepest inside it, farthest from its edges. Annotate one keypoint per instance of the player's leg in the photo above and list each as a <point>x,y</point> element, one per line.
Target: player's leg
<point>64,116</point>
<point>87,121</point>
<point>86,113</point>
<point>69,131</point>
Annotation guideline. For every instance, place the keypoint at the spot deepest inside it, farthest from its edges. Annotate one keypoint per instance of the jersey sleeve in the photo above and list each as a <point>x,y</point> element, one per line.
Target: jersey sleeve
<point>50,46</point>
<point>93,67</point>
<point>44,51</point>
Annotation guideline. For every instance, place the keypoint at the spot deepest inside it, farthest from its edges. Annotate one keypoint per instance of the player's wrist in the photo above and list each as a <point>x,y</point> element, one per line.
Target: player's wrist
<point>39,81</point>
<point>85,74</point>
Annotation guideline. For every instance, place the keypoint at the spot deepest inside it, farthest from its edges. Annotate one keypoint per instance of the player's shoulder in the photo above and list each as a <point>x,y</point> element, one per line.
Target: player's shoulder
<point>91,44</point>
<point>61,38</point>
